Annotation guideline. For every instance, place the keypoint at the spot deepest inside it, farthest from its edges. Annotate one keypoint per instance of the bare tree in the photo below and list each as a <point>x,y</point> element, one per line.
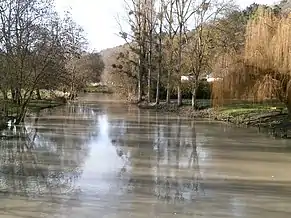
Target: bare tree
<point>160,48</point>
<point>151,23</point>
<point>23,42</point>
<point>122,74</point>
<point>184,12</point>
<point>35,46</point>
<point>171,32</point>
<point>137,38</point>
<point>181,32</point>
<point>200,40</point>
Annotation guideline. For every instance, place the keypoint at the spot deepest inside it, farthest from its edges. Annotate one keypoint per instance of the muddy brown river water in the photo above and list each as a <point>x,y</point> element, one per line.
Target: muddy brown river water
<point>98,158</point>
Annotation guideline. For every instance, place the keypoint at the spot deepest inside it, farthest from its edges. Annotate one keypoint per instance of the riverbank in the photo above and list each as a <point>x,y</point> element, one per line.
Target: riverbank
<point>33,106</point>
<point>98,89</point>
<point>273,119</point>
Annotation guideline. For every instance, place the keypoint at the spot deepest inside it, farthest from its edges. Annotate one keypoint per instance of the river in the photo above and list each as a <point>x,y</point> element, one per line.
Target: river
<point>102,158</point>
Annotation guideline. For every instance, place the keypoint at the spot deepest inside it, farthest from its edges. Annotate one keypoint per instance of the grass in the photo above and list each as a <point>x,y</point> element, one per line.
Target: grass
<point>250,108</point>
<point>242,107</point>
<point>10,109</point>
<point>36,105</point>
<point>33,106</point>
<point>239,107</point>
<point>98,89</point>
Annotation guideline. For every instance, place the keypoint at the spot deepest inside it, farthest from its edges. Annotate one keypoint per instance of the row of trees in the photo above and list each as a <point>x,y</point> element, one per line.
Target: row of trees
<point>173,38</point>
<point>169,39</point>
<point>40,50</point>
<point>262,69</point>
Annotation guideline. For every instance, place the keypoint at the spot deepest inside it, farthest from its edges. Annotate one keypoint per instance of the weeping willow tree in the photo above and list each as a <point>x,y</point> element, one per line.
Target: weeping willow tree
<point>263,69</point>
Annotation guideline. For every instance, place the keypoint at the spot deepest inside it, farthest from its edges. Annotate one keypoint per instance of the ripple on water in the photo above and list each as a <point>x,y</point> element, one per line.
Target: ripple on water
<point>109,160</point>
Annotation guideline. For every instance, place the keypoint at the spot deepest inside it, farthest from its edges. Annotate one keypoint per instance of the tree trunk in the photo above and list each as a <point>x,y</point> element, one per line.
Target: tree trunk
<point>21,115</point>
<point>194,94</point>
<point>139,91</point>
<point>22,105</point>
<point>158,89</point>
<point>149,84</point>
<point>171,35</point>
<point>73,95</point>
<point>5,95</point>
<point>141,73</point>
<point>179,103</point>
<point>38,96</point>
<point>150,51</point>
<point>160,55</point>
<point>194,99</point>
<point>168,98</point>
<point>180,64</point>
<point>13,95</point>
<point>18,96</point>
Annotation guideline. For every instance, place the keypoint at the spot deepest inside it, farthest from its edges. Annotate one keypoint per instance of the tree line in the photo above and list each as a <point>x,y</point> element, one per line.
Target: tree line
<point>262,68</point>
<point>39,49</point>
<point>173,38</point>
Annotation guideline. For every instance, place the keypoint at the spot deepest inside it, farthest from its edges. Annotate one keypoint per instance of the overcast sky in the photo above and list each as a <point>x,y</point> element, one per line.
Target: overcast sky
<point>98,18</point>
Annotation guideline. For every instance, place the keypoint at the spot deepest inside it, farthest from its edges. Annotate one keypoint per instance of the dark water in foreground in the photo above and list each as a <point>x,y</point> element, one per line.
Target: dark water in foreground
<point>99,159</point>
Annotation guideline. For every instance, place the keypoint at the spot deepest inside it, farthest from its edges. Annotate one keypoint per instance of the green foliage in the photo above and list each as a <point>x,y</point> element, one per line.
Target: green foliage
<point>98,89</point>
<point>203,90</point>
<point>246,108</point>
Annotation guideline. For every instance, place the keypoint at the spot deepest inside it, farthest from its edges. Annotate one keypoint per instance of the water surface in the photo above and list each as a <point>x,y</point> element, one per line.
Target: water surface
<point>97,158</point>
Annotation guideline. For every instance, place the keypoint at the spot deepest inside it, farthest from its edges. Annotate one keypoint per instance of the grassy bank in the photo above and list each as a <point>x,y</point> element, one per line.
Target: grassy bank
<point>9,109</point>
<point>33,106</point>
<point>98,89</point>
<point>271,117</point>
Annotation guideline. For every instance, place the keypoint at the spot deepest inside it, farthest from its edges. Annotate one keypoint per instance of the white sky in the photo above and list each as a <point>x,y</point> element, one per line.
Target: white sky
<point>98,18</point>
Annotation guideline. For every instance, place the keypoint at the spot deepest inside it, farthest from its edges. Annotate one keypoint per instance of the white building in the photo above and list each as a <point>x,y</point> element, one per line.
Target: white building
<point>208,78</point>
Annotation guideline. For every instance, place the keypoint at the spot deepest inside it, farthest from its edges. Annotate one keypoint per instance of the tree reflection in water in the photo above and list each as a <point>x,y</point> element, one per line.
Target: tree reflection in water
<point>45,157</point>
<point>162,155</point>
<point>178,175</point>
<point>37,161</point>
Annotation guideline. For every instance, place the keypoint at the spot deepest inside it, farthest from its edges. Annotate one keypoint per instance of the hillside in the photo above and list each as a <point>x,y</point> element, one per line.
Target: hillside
<point>108,55</point>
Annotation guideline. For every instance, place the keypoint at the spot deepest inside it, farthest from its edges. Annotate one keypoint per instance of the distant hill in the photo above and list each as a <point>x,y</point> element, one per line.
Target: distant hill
<point>108,55</point>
